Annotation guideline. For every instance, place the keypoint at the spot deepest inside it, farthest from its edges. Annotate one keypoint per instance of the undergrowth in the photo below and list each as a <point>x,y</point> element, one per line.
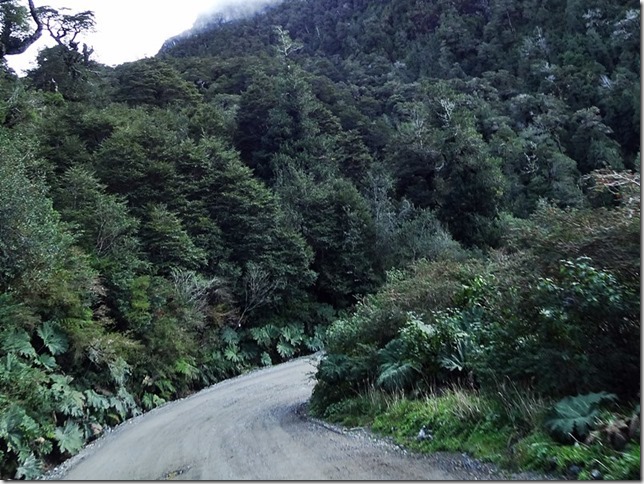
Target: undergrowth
<point>493,427</point>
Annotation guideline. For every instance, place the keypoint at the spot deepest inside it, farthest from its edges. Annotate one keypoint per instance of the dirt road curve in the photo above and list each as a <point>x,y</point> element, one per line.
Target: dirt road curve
<point>250,427</point>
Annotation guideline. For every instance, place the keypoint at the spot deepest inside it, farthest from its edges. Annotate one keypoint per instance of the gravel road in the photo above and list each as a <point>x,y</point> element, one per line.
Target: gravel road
<point>254,427</point>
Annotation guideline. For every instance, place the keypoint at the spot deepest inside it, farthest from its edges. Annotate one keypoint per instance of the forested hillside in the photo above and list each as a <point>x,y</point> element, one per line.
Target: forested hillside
<point>444,195</point>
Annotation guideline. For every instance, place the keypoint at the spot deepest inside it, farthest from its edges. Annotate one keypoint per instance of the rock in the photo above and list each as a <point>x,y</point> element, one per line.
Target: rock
<point>574,470</point>
<point>552,464</point>
<point>596,475</point>
<point>97,429</point>
<point>424,434</point>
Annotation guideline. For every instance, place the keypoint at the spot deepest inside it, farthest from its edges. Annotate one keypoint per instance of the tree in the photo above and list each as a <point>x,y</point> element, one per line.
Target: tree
<point>65,28</point>
<point>262,246</point>
<point>167,243</point>
<point>470,188</point>
<point>103,218</point>
<point>32,239</point>
<point>591,144</point>
<point>152,81</point>
<point>335,221</point>
<point>15,35</point>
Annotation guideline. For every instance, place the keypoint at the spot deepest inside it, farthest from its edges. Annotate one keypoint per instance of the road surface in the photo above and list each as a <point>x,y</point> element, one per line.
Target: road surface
<point>250,427</point>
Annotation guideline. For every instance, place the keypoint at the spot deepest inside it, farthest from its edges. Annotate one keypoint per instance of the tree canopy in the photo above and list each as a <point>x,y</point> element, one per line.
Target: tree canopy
<point>400,180</point>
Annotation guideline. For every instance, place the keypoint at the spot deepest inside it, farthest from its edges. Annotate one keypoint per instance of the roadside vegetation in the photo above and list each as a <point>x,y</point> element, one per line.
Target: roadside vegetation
<point>527,357</point>
<point>443,195</point>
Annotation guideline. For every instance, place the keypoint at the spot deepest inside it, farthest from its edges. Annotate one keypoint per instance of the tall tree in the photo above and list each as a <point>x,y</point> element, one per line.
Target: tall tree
<point>16,34</point>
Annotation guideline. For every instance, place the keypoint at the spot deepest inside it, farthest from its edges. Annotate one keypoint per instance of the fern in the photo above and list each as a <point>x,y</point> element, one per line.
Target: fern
<point>150,400</point>
<point>574,417</point>
<point>53,338</point>
<point>165,387</point>
<point>185,368</point>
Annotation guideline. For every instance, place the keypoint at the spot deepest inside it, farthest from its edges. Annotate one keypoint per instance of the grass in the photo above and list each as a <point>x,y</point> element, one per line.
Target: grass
<point>503,427</point>
<point>457,420</point>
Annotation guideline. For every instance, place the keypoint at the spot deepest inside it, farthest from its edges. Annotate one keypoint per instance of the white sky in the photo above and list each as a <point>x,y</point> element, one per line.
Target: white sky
<point>126,30</point>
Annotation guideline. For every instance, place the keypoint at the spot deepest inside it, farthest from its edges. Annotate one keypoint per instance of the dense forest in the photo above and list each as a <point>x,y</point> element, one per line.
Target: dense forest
<point>445,196</point>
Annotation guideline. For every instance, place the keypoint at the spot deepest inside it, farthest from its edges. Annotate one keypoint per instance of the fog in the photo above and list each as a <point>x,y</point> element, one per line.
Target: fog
<point>127,30</point>
<point>224,11</point>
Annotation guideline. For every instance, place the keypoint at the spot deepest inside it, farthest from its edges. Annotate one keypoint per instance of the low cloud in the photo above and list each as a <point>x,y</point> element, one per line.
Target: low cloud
<point>227,10</point>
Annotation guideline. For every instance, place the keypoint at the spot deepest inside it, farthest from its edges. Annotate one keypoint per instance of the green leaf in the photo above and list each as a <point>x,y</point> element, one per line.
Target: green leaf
<point>72,403</point>
<point>265,359</point>
<point>150,400</point>
<point>231,353</point>
<point>576,416</point>
<point>285,349</point>
<point>458,361</point>
<point>261,335</point>
<point>18,341</point>
<point>96,401</point>
<point>119,369</point>
<point>47,361</point>
<point>118,405</point>
<point>69,437</point>
<point>229,336</point>
<point>293,333</point>
<point>316,342</point>
<point>17,429</point>
<point>395,376</point>
<point>30,468</point>
<point>53,337</point>
<point>128,400</point>
<point>184,367</point>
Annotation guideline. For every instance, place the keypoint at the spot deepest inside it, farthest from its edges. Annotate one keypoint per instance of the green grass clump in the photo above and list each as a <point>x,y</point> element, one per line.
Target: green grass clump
<point>359,411</point>
<point>487,428</point>
<point>457,420</point>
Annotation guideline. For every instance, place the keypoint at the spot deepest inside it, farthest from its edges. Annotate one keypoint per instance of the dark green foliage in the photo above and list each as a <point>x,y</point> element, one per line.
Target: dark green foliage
<point>572,418</point>
<point>167,243</point>
<point>180,219</point>
<point>31,236</point>
<point>154,82</point>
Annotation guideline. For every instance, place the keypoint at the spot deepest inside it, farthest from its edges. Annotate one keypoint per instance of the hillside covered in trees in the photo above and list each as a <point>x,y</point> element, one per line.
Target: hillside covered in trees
<point>443,195</point>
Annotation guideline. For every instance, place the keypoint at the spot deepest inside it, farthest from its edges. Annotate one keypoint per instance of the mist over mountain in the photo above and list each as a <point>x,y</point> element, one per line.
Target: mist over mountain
<point>225,11</point>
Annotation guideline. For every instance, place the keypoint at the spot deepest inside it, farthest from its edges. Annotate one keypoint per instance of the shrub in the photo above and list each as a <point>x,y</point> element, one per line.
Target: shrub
<point>572,418</point>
